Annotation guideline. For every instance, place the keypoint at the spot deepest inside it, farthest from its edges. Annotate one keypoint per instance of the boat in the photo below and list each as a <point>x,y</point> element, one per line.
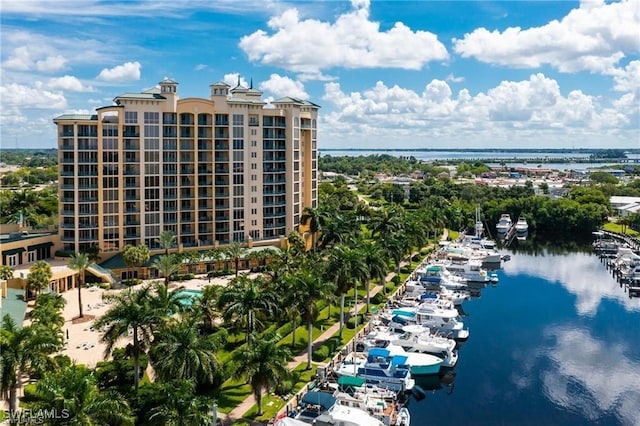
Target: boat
<point>421,340</point>
<point>470,271</point>
<point>521,225</point>
<point>393,373</point>
<point>494,278</point>
<point>322,409</point>
<point>404,418</point>
<point>445,322</point>
<point>379,403</point>
<point>504,224</point>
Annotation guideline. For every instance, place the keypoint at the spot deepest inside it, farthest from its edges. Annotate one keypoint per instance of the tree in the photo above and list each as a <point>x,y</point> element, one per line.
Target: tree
<point>22,350</point>
<point>310,288</point>
<point>167,265</point>
<point>172,404</point>
<point>376,263</point>
<point>345,267</point>
<point>131,311</point>
<point>47,311</point>
<point>245,300</point>
<point>79,262</point>
<point>235,251</point>
<point>6,272</point>
<point>207,306</point>
<point>314,219</point>
<point>263,363</point>
<point>39,277</point>
<point>135,256</point>
<point>181,351</point>
<point>167,239</point>
<point>73,391</point>
<point>165,303</point>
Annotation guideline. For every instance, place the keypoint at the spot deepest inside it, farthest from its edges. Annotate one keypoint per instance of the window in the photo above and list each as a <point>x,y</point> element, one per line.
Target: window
<point>254,177</point>
<point>151,143</point>
<point>130,117</point>
<point>254,189</point>
<point>254,155</point>
<point>238,132</point>
<point>151,131</point>
<point>31,256</point>
<point>13,260</point>
<point>151,118</point>
<point>254,211</point>
<point>238,202</point>
<point>254,166</point>
<point>238,143</point>
<point>254,223</point>
<point>238,120</point>
<point>254,200</point>
<point>254,143</point>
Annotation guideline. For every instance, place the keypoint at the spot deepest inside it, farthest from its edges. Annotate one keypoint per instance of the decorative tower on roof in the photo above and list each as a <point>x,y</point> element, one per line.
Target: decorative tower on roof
<point>169,89</point>
<point>219,89</point>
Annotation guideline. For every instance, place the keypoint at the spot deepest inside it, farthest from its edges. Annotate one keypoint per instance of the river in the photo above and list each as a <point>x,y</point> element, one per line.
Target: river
<point>555,342</point>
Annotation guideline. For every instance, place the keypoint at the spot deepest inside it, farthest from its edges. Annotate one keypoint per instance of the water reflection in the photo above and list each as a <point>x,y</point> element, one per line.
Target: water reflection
<point>592,377</point>
<point>579,275</point>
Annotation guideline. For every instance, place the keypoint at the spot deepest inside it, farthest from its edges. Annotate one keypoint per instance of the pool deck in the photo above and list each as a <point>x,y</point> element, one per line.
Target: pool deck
<point>14,305</point>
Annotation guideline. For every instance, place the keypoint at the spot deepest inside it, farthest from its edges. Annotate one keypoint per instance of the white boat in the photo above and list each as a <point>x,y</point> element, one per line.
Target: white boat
<point>322,409</point>
<point>393,374</point>
<point>404,418</point>
<point>471,270</point>
<point>439,275</point>
<point>378,402</point>
<point>445,322</point>
<point>415,291</point>
<point>504,224</point>
<point>494,278</point>
<point>521,225</point>
<point>420,339</point>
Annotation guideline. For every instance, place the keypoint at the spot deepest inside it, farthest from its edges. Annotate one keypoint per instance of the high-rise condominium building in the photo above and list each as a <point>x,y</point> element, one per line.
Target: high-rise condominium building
<point>220,169</point>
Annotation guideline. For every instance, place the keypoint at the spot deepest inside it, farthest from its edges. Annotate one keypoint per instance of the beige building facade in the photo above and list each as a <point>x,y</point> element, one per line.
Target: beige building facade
<point>213,170</point>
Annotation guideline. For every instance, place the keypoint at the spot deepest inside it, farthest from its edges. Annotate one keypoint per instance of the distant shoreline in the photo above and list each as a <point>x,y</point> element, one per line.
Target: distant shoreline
<point>536,150</point>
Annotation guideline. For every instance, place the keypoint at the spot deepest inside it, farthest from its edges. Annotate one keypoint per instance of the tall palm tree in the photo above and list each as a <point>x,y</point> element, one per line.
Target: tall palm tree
<point>131,311</point>
<point>214,255</point>
<point>377,265</point>
<point>314,219</point>
<point>79,262</point>
<point>22,350</point>
<point>235,251</point>
<point>387,222</point>
<point>181,351</point>
<point>165,302</point>
<point>167,239</point>
<point>73,391</point>
<point>263,363</point>
<point>47,311</point>
<point>246,300</point>
<point>167,265</point>
<point>341,228</point>
<point>310,288</point>
<point>206,306</point>
<point>39,277</point>
<point>416,230</point>
<point>345,267</point>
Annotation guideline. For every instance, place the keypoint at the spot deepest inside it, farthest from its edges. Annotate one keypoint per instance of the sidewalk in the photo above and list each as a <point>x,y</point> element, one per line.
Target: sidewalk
<point>244,406</point>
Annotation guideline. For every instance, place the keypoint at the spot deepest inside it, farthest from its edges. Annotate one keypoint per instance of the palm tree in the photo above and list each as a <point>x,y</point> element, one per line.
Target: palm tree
<point>173,404</point>
<point>345,267</point>
<point>235,251</point>
<point>214,255</point>
<point>181,351</point>
<point>377,265</point>
<point>74,392</point>
<point>79,262</point>
<point>314,219</point>
<point>135,256</point>
<point>39,277</point>
<point>6,272</point>
<point>206,305</point>
<point>167,265</point>
<point>310,288</point>
<point>341,228</point>
<point>387,222</point>
<point>245,300</point>
<point>416,230</point>
<point>47,311</point>
<point>263,363</point>
<point>167,239</point>
<point>22,350</point>
<point>131,311</point>
<point>165,303</point>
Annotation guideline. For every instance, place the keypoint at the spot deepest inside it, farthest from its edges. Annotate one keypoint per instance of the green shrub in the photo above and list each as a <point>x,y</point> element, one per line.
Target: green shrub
<point>320,354</point>
<point>63,253</point>
<point>377,298</point>
<point>417,257</point>
<point>131,282</point>
<point>390,287</point>
<point>105,286</point>
<point>183,277</point>
<point>405,270</point>
<point>351,323</point>
<point>396,279</point>
<point>30,394</point>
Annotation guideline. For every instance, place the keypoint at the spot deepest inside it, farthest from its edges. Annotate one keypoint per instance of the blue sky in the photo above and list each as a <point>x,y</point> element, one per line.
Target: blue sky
<point>387,74</point>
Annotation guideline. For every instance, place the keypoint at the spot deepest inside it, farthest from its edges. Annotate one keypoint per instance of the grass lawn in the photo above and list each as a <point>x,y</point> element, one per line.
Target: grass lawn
<point>614,227</point>
<point>232,393</point>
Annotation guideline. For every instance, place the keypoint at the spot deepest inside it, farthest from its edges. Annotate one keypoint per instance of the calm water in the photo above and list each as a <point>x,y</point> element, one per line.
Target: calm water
<point>556,342</point>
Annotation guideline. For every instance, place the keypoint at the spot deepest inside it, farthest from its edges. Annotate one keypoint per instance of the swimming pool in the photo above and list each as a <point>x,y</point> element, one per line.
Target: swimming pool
<point>192,296</point>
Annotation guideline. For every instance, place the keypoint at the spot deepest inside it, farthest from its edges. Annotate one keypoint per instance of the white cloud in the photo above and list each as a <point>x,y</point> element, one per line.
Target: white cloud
<point>532,111</point>
<point>17,95</point>
<point>26,58</point>
<point>452,78</point>
<point>201,67</point>
<point>284,86</point>
<point>353,41</point>
<point>68,82</point>
<point>234,78</point>
<point>627,79</point>
<point>128,71</point>
<point>593,37</point>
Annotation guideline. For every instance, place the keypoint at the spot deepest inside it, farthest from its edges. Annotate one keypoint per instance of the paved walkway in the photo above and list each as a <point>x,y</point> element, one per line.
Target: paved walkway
<point>244,406</point>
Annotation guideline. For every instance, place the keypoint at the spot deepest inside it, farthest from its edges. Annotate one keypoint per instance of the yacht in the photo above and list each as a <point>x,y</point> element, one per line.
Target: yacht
<point>420,339</point>
<point>322,409</point>
<point>416,290</point>
<point>504,224</point>
<point>521,225</point>
<point>393,374</point>
<point>404,418</point>
<point>378,402</point>
<point>449,326</point>
<point>471,271</point>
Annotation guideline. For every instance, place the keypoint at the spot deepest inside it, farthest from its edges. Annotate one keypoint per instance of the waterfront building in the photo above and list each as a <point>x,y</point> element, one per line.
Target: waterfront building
<point>230,167</point>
